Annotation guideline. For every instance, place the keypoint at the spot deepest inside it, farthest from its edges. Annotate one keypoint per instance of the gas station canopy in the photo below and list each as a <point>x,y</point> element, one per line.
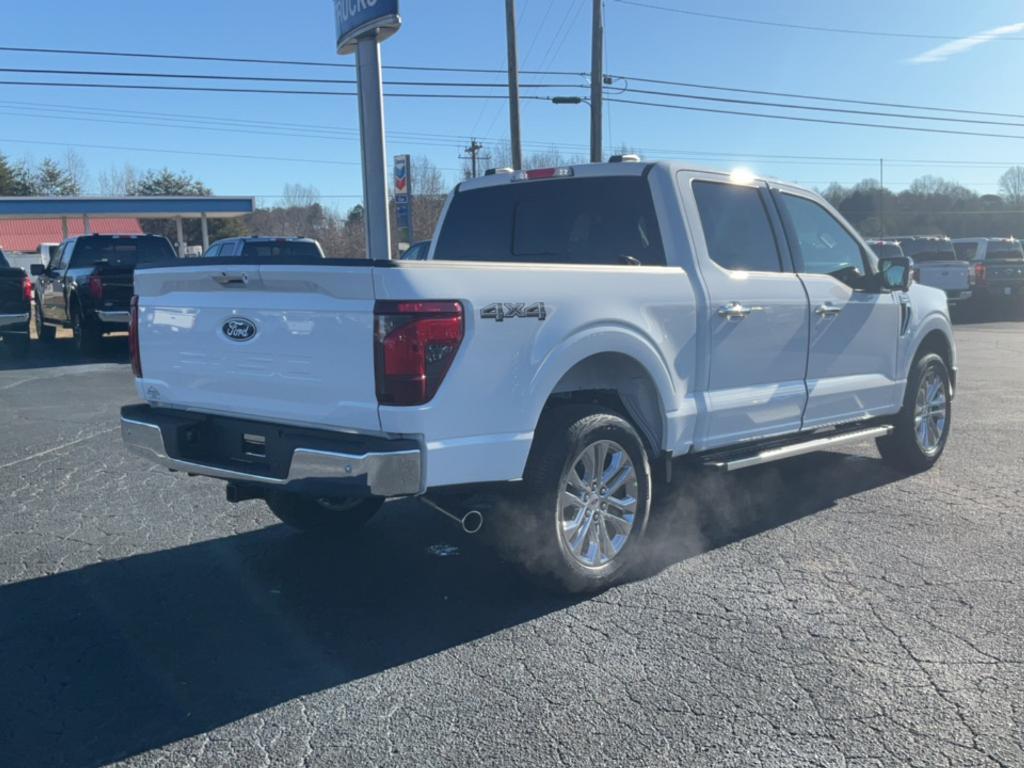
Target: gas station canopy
<point>178,208</point>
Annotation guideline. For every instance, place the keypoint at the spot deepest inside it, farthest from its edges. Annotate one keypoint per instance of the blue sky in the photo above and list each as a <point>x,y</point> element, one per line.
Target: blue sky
<point>554,34</point>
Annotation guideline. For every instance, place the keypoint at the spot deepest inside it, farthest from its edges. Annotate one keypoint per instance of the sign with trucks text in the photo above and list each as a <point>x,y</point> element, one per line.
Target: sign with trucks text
<point>403,197</point>
<point>355,18</point>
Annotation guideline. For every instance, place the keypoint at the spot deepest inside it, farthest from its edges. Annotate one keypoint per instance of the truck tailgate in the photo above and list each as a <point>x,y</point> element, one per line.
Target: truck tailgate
<point>12,291</point>
<point>282,343</point>
<point>947,275</point>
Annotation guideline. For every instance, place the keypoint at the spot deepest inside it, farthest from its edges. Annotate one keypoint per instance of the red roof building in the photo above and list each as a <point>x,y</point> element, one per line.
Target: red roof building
<point>25,235</point>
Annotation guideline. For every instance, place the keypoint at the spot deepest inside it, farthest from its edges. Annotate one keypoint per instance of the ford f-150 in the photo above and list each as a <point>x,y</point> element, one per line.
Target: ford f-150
<point>15,307</point>
<point>87,285</point>
<point>572,332</point>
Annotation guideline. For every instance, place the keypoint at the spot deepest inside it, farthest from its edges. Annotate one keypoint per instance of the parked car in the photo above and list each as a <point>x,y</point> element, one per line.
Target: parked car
<point>293,248</point>
<point>88,285</point>
<point>998,264</point>
<point>417,251</point>
<point>937,264</point>
<point>575,332</point>
<point>15,307</point>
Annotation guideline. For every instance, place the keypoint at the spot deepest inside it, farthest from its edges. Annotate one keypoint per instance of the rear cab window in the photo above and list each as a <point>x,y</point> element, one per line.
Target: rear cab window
<point>922,251</point>
<point>591,220</point>
<point>284,249</point>
<point>122,251</point>
<point>3,261</point>
<point>1004,250</point>
<point>966,251</point>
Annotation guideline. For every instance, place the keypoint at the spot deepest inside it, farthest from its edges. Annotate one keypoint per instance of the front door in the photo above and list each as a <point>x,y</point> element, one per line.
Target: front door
<point>855,328</point>
<point>757,328</point>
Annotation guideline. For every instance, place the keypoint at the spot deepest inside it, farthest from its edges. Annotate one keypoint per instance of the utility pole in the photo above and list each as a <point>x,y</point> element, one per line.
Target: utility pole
<point>474,153</point>
<point>597,83</point>
<point>513,86</point>
<point>881,198</point>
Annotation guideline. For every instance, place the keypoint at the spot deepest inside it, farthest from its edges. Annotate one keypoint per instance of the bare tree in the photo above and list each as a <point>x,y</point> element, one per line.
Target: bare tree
<point>1011,185</point>
<point>119,181</point>
<point>299,196</point>
<point>76,170</point>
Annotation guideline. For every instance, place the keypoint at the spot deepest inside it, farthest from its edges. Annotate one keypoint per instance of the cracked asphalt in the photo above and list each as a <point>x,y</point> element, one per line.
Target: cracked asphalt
<point>820,612</point>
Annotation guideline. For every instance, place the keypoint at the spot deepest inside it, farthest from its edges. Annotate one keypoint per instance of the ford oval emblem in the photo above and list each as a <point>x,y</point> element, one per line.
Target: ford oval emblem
<point>239,329</point>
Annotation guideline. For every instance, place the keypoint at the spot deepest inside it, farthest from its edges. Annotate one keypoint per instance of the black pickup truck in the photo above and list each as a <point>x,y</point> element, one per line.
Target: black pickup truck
<point>89,284</point>
<point>15,307</point>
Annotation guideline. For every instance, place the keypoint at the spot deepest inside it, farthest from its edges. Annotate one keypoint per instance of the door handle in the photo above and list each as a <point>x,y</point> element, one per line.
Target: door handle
<point>225,278</point>
<point>736,311</point>
<point>828,309</point>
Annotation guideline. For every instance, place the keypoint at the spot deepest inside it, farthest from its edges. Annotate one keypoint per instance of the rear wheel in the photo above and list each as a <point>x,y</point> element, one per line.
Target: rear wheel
<point>580,519</point>
<point>44,332</point>
<point>332,517</point>
<point>87,336</point>
<point>922,426</point>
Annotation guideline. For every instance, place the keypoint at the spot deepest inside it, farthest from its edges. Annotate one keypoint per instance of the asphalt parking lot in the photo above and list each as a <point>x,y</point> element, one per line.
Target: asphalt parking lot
<point>822,612</point>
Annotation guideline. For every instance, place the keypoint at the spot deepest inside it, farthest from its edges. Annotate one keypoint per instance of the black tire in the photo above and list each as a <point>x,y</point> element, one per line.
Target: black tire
<point>87,336</point>
<point>46,333</point>
<point>327,517</point>
<point>902,449</point>
<point>531,523</point>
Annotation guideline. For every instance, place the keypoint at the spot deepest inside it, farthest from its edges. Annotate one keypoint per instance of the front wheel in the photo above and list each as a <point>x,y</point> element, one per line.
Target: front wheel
<point>922,427</point>
<point>580,521</point>
<point>330,517</point>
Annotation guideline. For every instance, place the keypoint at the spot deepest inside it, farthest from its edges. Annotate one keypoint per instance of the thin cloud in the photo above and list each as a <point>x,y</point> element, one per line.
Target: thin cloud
<point>965,44</point>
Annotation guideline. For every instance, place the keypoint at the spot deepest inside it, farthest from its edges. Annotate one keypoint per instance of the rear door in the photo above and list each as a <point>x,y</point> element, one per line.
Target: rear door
<point>851,362</point>
<point>280,343</point>
<point>757,331</point>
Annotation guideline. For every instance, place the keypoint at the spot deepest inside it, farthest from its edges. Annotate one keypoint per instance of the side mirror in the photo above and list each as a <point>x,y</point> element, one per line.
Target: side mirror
<point>36,270</point>
<point>895,272</point>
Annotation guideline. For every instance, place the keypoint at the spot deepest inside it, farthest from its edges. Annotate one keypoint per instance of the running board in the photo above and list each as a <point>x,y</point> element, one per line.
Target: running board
<point>798,449</point>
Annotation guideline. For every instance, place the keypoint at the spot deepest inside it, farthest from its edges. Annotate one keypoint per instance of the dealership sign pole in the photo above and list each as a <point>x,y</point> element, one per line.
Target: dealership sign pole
<point>361,25</point>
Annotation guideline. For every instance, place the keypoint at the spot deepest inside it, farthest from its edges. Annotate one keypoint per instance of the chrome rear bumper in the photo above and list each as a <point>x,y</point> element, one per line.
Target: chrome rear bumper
<point>18,319</point>
<point>396,473</point>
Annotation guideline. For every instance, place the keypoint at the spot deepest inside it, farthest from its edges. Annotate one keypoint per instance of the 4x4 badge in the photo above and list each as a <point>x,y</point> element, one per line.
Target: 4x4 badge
<point>506,311</point>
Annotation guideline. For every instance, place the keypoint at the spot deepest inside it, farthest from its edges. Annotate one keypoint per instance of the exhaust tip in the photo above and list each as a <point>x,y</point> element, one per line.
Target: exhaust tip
<point>472,522</point>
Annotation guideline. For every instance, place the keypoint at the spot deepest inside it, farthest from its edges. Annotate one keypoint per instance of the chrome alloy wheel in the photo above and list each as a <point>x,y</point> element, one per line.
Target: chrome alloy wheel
<point>597,504</point>
<point>930,412</point>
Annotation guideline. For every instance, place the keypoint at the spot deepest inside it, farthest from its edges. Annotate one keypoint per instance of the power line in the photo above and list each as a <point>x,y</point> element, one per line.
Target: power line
<point>266,79</point>
<point>802,27</point>
<point>823,121</point>
<point>271,91</point>
<point>838,110</point>
<point>784,94</point>
<point>285,62</point>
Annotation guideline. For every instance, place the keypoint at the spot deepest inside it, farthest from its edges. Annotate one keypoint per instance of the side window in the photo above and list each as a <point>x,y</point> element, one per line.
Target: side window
<point>823,246</point>
<point>214,251</point>
<point>228,248</point>
<point>57,260</point>
<point>736,227</point>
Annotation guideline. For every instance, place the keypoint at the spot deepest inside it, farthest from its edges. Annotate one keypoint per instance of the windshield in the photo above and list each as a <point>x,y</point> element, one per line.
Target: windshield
<point>123,251</point>
<point>929,250</point>
<point>285,249</point>
<point>1004,250</point>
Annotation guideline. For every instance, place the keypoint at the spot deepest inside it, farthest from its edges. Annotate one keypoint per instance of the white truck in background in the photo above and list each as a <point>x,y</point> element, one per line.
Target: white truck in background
<point>937,264</point>
<point>572,333</point>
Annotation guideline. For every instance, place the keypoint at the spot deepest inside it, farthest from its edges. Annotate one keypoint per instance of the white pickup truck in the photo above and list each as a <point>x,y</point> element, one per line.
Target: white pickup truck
<point>936,263</point>
<point>573,332</point>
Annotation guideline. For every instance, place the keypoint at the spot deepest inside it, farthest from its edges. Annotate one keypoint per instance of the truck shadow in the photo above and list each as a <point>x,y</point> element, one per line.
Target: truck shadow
<point>61,352</point>
<point>125,656</point>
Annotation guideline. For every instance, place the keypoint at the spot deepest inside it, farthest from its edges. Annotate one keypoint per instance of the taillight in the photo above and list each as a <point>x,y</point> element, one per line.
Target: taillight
<point>979,273</point>
<point>415,343</point>
<point>96,288</point>
<point>133,338</point>
<point>26,289</point>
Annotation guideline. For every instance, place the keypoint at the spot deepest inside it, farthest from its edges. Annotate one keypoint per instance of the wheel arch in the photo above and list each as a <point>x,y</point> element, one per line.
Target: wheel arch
<point>628,377</point>
<point>938,342</point>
